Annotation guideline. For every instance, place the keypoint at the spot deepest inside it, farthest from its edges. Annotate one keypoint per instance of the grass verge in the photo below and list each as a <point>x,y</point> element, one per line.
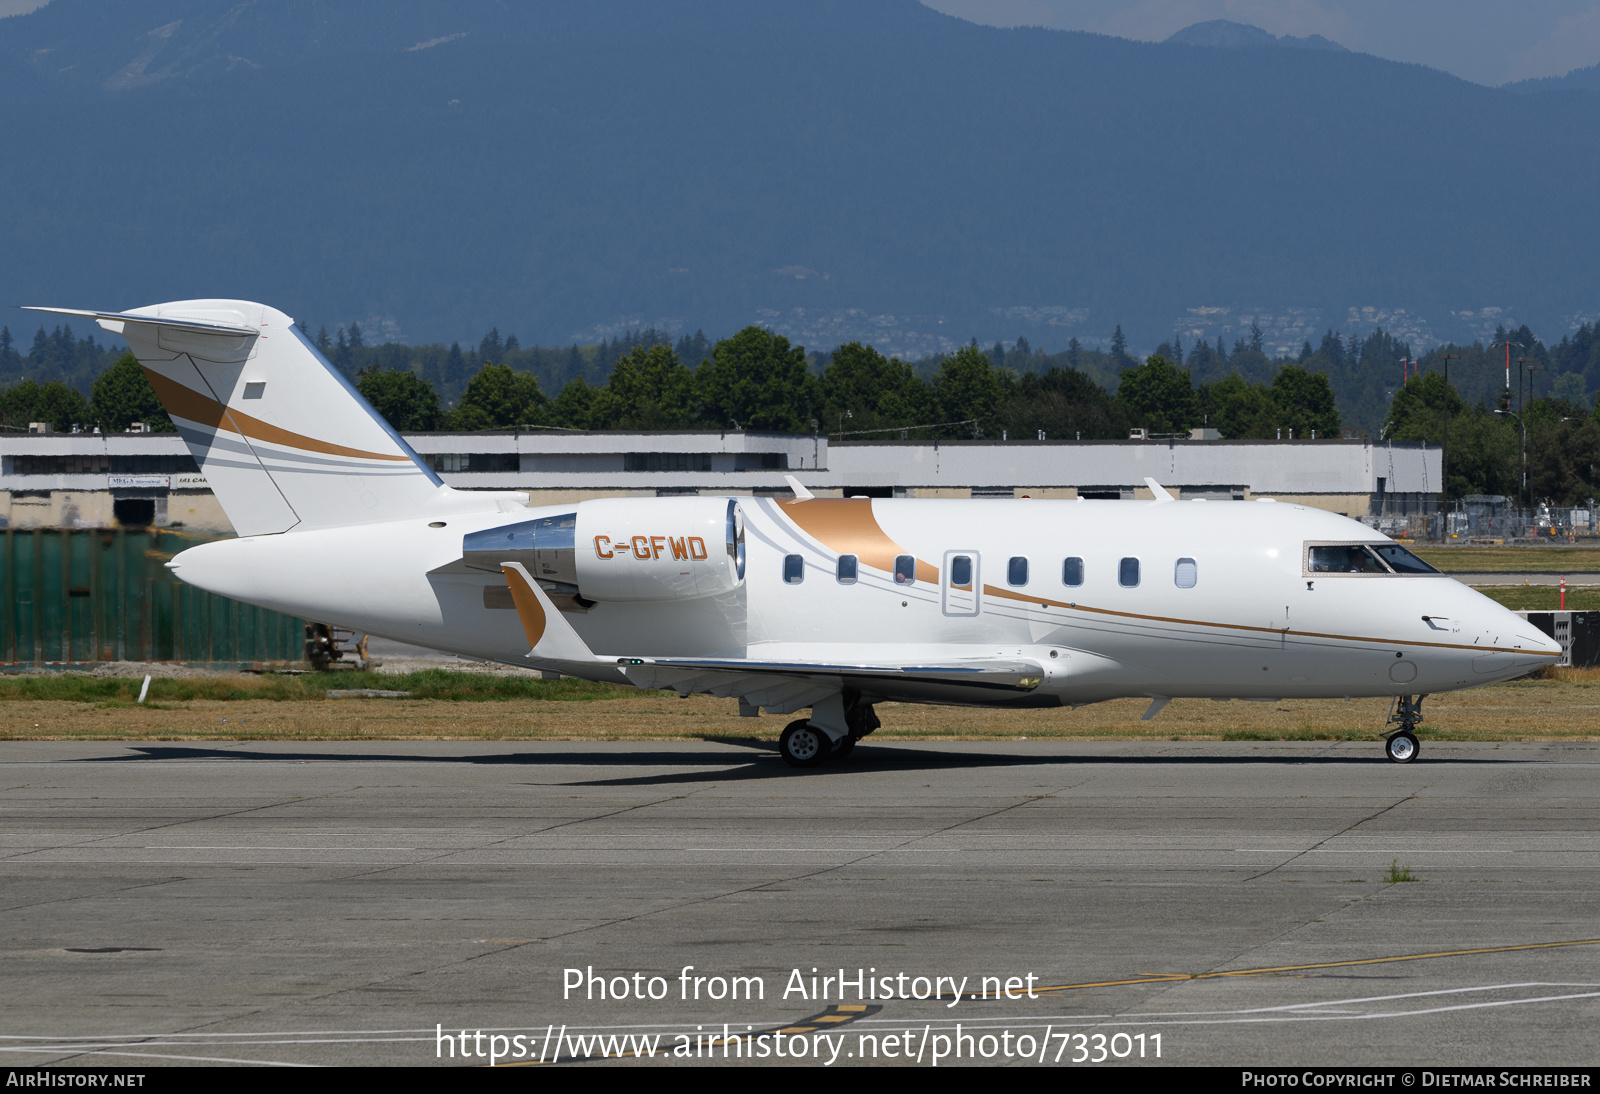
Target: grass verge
<point>438,684</point>
<point>1545,560</point>
<point>1542,598</point>
<point>1563,706</point>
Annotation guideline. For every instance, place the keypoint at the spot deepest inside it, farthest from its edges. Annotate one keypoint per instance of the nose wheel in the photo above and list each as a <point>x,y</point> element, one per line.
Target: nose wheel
<point>1402,748</point>
<point>1400,743</point>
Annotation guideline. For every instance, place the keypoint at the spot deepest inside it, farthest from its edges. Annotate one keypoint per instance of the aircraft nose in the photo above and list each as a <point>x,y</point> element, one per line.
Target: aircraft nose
<point>1539,642</point>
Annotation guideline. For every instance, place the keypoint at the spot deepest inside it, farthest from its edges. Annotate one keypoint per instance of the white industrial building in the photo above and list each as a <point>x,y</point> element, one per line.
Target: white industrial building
<point>93,479</point>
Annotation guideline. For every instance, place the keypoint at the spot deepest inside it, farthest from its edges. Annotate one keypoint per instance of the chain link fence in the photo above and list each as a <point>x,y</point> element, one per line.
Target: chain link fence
<point>1489,518</point>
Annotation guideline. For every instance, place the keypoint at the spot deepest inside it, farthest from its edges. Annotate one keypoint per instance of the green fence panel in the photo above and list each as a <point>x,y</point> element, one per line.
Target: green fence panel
<point>71,595</point>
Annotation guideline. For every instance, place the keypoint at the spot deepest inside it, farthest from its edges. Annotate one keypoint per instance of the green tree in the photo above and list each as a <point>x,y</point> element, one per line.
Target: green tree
<point>1418,410</point>
<point>1065,404</point>
<point>1570,387</point>
<point>122,395</point>
<point>874,390</point>
<point>55,402</point>
<point>498,398</point>
<point>1485,454</point>
<point>1306,399</point>
<point>1160,396</point>
<point>649,388</point>
<point>1240,410</point>
<point>405,400</point>
<point>574,408</point>
<point>1119,347</point>
<point>969,386</point>
<point>1564,460</point>
<point>756,380</point>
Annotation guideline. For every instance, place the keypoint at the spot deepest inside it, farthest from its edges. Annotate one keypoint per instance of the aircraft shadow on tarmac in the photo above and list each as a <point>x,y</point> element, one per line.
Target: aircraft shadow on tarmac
<point>745,758</point>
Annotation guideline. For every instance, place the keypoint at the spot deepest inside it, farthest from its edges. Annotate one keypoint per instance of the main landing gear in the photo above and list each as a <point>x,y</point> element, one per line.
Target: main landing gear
<point>1400,744</point>
<point>802,744</point>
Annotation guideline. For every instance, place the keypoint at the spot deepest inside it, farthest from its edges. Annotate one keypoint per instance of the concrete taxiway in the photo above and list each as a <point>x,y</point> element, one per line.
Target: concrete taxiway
<point>343,902</point>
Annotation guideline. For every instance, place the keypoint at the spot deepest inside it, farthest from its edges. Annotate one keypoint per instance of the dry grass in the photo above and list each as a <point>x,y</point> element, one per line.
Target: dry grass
<point>1563,707</point>
<point>1542,598</point>
<point>1551,560</point>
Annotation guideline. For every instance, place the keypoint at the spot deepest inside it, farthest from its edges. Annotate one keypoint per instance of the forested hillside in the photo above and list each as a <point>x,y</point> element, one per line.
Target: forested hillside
<point>869,171</point>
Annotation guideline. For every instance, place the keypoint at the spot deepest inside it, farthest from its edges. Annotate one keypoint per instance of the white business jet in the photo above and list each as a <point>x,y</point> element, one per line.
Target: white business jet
<point>821,603</point>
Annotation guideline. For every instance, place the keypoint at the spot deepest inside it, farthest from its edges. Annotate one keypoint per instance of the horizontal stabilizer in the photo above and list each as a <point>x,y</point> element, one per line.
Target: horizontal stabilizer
<point>114,321</point>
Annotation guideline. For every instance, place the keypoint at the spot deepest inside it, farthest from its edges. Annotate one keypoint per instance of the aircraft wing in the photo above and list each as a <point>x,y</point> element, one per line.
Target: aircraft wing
<point>779,686</point>
<point>755,680</point>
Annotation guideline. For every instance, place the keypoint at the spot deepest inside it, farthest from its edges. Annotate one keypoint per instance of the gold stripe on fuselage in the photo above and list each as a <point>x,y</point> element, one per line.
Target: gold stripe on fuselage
<point>847,527</point>
<point>188,403</point>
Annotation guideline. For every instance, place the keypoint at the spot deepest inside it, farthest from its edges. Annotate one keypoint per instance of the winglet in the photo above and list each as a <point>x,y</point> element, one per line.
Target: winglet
<point>800,492</point>
<point>1161,492</point>
<point>550,636</point>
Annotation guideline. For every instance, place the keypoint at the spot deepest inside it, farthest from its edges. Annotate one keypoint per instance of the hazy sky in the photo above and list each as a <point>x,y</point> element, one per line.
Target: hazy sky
<point>1486,41</point>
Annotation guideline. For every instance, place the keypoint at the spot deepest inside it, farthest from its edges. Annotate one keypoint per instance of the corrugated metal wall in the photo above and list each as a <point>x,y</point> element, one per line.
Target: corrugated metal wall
<point>93,594</point>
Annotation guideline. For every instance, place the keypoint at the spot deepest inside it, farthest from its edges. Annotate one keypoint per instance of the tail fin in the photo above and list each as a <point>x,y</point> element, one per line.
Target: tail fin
<point>283,439</point>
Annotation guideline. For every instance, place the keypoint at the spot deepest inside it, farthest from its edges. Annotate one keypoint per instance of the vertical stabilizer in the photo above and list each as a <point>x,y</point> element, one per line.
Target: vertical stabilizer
<point>284,440</point>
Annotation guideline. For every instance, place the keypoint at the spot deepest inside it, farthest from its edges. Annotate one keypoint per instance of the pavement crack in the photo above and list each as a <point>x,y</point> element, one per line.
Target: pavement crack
<point>158,827</point>
<point>443,855</point>
<point>1329,838</point>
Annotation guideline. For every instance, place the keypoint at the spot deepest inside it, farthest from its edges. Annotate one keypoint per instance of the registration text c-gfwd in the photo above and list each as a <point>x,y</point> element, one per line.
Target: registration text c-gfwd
<point>829,605</point>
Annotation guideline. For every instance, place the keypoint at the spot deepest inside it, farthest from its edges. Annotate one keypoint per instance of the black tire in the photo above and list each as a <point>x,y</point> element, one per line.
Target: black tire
<point>801,745</point>
<point>1402,748</point>
<point>842,749</point>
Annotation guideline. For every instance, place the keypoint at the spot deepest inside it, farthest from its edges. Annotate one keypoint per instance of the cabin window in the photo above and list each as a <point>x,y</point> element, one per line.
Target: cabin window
<point>1017,571</point>
<point>1128,573</point>
<point>961,572</point>
<point>905,569</point>
<point>1072,571</point>
<point>794,569</point>
<point>847,569</point>
<point>1186,574</point>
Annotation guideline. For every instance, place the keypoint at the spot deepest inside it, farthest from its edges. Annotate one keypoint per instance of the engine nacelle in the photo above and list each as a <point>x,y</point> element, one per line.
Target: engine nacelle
<point>632,549</point>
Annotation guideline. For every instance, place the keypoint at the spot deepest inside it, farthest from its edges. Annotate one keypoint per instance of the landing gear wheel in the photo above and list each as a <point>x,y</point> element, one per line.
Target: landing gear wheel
<point>803,746</point>
<point>1402,748</point>
<point>842,749</point>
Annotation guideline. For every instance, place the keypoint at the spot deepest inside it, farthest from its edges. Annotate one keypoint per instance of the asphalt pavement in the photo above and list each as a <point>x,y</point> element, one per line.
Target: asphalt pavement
<point>1216,903</point>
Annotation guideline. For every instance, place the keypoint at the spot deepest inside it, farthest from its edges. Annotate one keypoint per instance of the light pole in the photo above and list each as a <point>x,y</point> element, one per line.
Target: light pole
<point>1522,454</point>
<point>1444,449</point>
<point>1522,425</point>
<point>1530,369</point>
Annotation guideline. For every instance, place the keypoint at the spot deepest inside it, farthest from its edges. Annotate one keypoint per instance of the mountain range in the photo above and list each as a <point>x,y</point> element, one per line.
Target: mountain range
<point>834,169</point>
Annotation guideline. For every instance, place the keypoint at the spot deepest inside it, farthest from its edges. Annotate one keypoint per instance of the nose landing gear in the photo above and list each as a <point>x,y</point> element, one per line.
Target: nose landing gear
<point>1400,744</point>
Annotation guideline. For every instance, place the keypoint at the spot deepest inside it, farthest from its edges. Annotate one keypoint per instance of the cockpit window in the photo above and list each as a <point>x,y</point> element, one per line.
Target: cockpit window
<point>1402,561</point>
<point>1345,558</point>
<point>1385,559</point>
